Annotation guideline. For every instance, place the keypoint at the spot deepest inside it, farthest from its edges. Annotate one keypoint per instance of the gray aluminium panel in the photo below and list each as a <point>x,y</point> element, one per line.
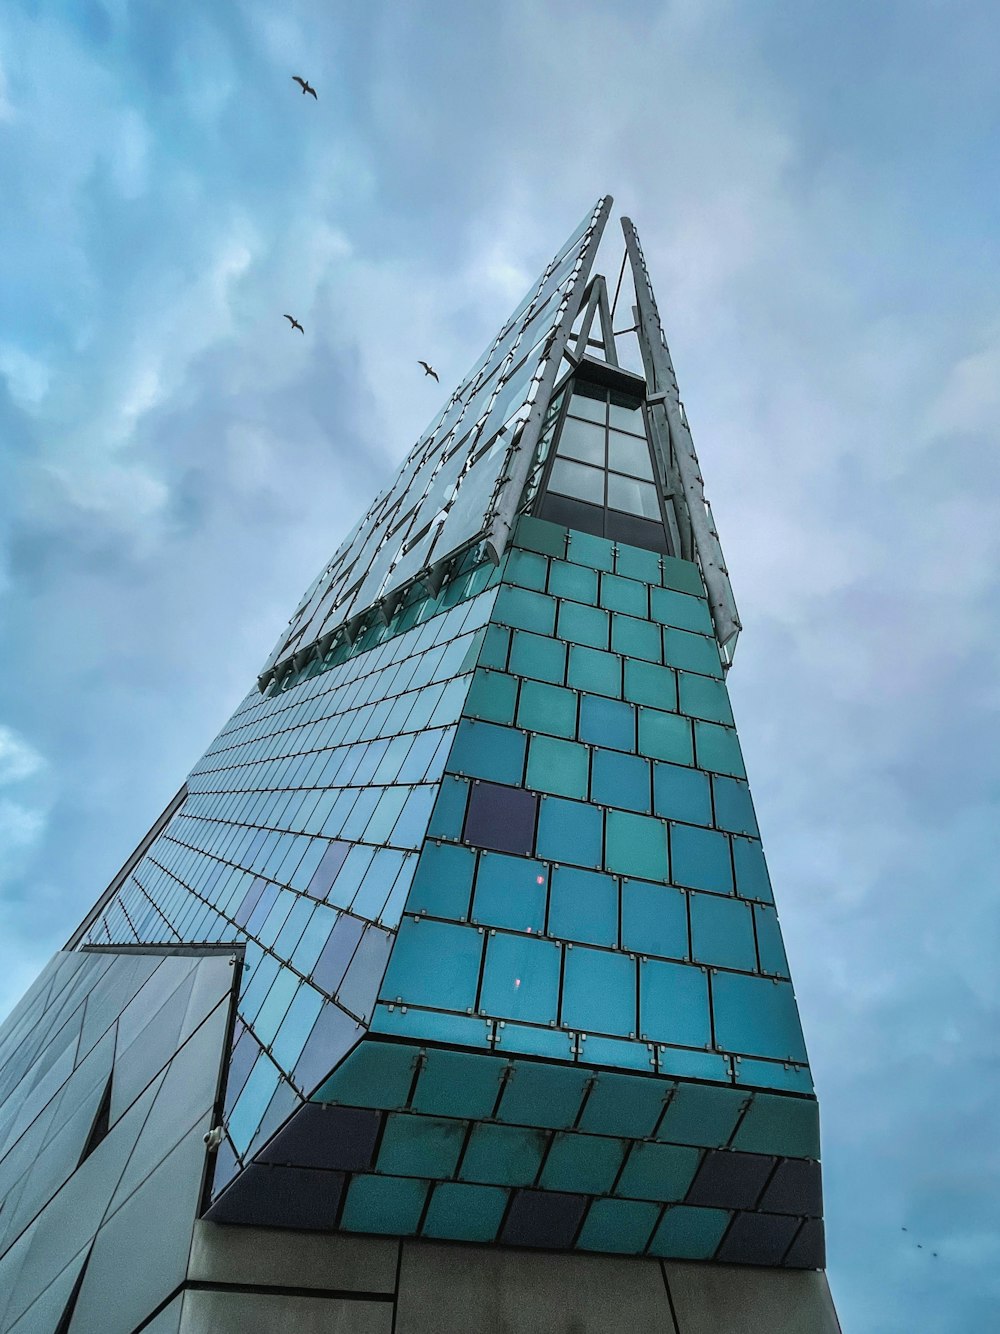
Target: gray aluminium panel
<point>732,1299</point>
<point>279,1258</point>
<point>209,1312</point>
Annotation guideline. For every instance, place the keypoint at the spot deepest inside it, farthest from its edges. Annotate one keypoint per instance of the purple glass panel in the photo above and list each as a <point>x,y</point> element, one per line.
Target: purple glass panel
<point>730,1180</point>
<point>333,1035</point>
<point>757,1239</point>
<point>808,1250</point>
<point>543,1218</point>
<point>262,907</point>
<point>359,988</point>
<point>250,900</point>
<point>796,1188</point>
<point>328,870</point>
<point>337,953</point>
<point>281,1197</point>
<point>319,1135</point>
<point>501,818</point>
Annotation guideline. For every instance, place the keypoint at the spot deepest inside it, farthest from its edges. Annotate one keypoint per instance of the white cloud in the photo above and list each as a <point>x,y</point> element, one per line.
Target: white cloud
<point>18,759</point>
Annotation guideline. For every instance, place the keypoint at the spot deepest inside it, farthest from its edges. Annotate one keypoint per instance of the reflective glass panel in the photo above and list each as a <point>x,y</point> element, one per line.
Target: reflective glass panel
<point>576,479</point>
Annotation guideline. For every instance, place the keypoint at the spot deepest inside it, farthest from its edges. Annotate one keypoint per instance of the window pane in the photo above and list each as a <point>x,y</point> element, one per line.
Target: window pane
<point>625,417</point>
<point>590,405</point>
<point>633,497</point>
<point>583,441</point>
<point>629,453</point>
<point>576,479</point>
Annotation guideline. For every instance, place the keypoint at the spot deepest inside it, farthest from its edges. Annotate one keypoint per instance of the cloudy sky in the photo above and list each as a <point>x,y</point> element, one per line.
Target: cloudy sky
<point>816,187</point>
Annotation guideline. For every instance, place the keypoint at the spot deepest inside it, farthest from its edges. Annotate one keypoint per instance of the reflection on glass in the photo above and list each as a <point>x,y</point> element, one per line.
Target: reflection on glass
<point>633,497</point>
<point>576,479</point>
<point>583,441</point>
<point>624,416</point>
<point>583,405</point>
<point>629,453</point>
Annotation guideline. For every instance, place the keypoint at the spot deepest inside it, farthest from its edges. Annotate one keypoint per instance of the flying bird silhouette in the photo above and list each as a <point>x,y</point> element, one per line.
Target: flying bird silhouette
<point>306,87</point>
<point>295,324</point>
<point>429,370</point>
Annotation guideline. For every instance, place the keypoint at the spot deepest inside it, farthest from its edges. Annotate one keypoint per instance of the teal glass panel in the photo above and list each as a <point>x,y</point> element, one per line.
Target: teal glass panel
<point>700,859</point>
<point>607,722</point>
<point>420,1146</point>
<point>483,750</point>
<point>734,807</point>
<point>503,1155</point>
<point>620,780</point>
<point>442,886</point>
<point>496,646</point>
<point>543,1095</point>
<point>558,766</point>
<point>585,549</point>
<point>636,846</point>
<point>593,670</point>
<point>658,1172</point>
<point>435,964</point>
<point>521,979</point>
<point>704,697</point>
<point>757,1016</point>
<point>531,1040</point>
<point>583,625</point>
<point>665,736</point>
<point>570,831</point>
<point>375,1074</point>
<point>777,1123</point>
<point>773,1075</point>
<point>673,1004</point>
<point>722,932</point>
<point>680,611</point>
<point>538,656</point>
<point>689,1233</point>
<point>511,892</point>
<point>692,653</point>
<point>624,595</point>
<point>681,793</point>
<point>461,1084</point>
<point>448,816</point>
<point>718,749</point>
<point>275,1006</point>
<point>770,946</point>
<point>654,919</point>
<point>583,905</point>
<point>636,563</point>
<point>538,535</point>
<point>527,569</point>
<point>391,1205</point>
<point>547,708</point>
<point>460,1212</point>
<point>752,879</point>
<point>492,697</point>
<point>624,1105</point>
<point>682,575</point>
<point>620,1227</point>
<point>646,683</point>
<point>701,1115</point>
<point>406,1021</point>
<point>523,610</point>
<point>575,582</point>
<point>584,1164</point>
<point>599,991</point>
<point>684,1064</point>
<point>636,639</point>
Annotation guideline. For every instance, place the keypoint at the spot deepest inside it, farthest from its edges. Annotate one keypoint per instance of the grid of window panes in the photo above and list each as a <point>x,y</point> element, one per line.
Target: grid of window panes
<point>601,479</point>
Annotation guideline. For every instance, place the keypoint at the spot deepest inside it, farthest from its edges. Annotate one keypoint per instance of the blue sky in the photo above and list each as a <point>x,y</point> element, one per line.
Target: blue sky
<point>816,188</point>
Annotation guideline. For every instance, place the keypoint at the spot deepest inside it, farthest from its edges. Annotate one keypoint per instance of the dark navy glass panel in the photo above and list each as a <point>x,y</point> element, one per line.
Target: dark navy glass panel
<point>501,818</point>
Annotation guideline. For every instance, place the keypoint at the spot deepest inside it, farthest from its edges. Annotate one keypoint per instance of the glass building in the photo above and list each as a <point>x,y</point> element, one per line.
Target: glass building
<point>449,991</point>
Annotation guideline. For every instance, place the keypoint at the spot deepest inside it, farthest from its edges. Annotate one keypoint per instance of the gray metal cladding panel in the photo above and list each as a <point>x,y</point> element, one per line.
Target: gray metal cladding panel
<point>264,1313</point>
<point>725,1299</point>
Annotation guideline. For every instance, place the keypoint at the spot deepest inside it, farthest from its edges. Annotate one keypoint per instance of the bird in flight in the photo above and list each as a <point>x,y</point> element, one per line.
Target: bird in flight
<point>429,370</point>
<point>306,87</point>
<point>294,323</point>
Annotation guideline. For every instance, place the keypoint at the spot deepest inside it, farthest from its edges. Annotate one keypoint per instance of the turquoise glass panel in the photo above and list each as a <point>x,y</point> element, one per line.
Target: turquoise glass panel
<point>658,1172</point>
<point>718,749</point>
<point>527,569</point>
<point>620,780</point>
<point>524,610</point>
<point>681,793</point>
<point>511,892</point>
<point>625,1054</point>
<point>570,831</point>
<point>555,1044</point>
<point>558,766</point>
<point>503,1155</point>
<point>578,624</point>
<point>375,1074</point>
<point>700,859</point>
<point>704,697</point>
<point>496,645</point>
<point>691,653</point>
<point>462,1212</point>
<point>458,1084</point>
<point>682,575</point>
<point>547,708</point>
<point>391,1205</point>
<point>757,1016</point>
<point>722,932</point>
<point>636,563</point>
<point>448,816</point>
<point>543,1095</point>
<point>687,1064</point>
<point>538,535</point>
<point>583,906</point>
<point>636,846</point>
<point>599,991</point>
<point>636,639</point>
<point>420,1146</point>
<point>407,1021</point>
<point>777,1123</point>
<point>752,879</point>
<point>701,1115</point>
<point>586,1164</point>
<point>770,946</point>
<point>296,1027</point>
<point>676,609</point>
<point>595,671</point>
<point>442,886</point>
<point>665,736</point>
<point>646,683</point>
<point>607,722</point>
<point>521,979</point>
<point>773,1075</point>
<point>624,1105</point>
<point>575,582</point>
<point>586,549</point>
<point>538,656</point>
<point>689,1233</point>
<point>673,1004</point>
<point>618,1226</point>
<point>492,697</point>
<point>734,807</point>
<point>483,750</point>
<point>435,964</point>
<point>624,595</point>
<point>654,919</point>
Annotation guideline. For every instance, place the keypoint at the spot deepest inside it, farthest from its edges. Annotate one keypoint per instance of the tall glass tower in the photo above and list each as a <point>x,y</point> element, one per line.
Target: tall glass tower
<point>449,992</point>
